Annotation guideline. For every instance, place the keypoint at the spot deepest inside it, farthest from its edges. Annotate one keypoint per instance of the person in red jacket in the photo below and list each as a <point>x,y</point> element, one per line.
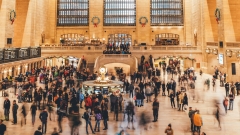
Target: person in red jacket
<point>88,102</point>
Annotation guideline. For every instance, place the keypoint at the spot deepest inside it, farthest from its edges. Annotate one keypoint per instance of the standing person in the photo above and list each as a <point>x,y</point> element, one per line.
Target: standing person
<point>178,93</point>
<point>116,109</point>
<point>191,114</point>
<point>169,130</point>
<point>51,110</point>
<point>120,102</point>
<point>197,120</point>
<point>231,98</point>
<point>227,88</point>
<point>24,114</point>
<point>105,118</point>
<point>139,98</point>
<point>43,117</point>
<point>87,116</point>
<point>81,98</point>
<point>225,104</point>
<point>172,100</point>
<point>98,118</point>
<point>6,106</point>
<point>3,127</point>
<point>155,109</point>
<point>131,88</point>
<point>113,99</point>
<point>33,109</point>
<point>185,100</point>
<point>163,88</point>
<point>148,92</point>
<point>14,111</point>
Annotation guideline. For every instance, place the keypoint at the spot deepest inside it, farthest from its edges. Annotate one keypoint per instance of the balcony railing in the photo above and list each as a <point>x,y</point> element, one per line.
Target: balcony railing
<point>132,48</point>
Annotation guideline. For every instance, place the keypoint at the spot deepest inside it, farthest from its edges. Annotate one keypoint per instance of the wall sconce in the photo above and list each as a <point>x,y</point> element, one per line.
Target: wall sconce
<point>238,54</point>
<point>18,68</point>
<point>4,71</point>
<point>26,66</point>
<point>207,50</point>
<point>10,70</point>
<point>229,53</point>
<point>215,51</point>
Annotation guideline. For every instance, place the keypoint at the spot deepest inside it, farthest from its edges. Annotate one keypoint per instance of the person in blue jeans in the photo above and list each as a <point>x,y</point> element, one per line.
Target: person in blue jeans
<point>98,118</point>
<point>139,99</point>
<point>87,116</point>
<point>231,100</point>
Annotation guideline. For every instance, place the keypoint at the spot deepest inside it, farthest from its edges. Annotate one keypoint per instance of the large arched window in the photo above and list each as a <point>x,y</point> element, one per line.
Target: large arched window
<point>120,38</point>
<point>72,13</point>
<point>119,12</point>
<point>166,12</point>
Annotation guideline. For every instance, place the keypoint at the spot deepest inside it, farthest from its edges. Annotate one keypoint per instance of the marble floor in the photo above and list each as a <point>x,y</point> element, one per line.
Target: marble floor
<point>179,120</point>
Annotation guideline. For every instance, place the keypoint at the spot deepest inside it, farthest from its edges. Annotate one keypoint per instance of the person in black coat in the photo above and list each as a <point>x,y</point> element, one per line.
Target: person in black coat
<point>227,89</point>
<point>185,100</point>
<point>6,106</point>
<point>116,109</point>
<point>155,106</point>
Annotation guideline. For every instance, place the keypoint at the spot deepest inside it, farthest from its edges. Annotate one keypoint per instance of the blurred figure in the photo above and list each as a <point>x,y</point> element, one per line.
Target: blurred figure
<point>74,119</point>
<point>130,114</point>
<point>155,109</point>
<point>169,130</point>
<point>145,119</point>
<point>60,116</point>
<point>55,132</point>
<point>217,116</point>
<point>98,117</point>
<point>50,110</point>
<point>38,131</point>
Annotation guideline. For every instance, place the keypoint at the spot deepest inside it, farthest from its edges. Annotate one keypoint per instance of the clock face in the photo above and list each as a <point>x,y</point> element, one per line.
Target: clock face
<point>102,70</point>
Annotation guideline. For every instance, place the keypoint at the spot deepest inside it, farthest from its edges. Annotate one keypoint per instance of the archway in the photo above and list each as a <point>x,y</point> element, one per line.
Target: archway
<point>113,67</point>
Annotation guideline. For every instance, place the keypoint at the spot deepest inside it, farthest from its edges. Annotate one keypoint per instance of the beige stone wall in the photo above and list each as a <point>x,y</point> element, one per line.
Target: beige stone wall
<point>6,29</point>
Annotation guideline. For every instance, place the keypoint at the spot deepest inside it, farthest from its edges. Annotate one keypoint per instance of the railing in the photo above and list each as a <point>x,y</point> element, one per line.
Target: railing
<point>79,63</point>
<point>212,43</point>
<point>132,48</point>
<point>234,44</point>
<point>117,56</point>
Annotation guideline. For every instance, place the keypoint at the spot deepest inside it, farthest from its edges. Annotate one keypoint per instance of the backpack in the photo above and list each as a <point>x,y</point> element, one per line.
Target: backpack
<point>98,116</point>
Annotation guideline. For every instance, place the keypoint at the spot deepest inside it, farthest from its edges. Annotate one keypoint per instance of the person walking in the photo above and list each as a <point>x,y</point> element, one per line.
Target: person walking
<point>155,109</point>
<point>33,109</point>
<point>163,88</point>
<point>169,130</point>
<point>43,117</point>
<point>148,92</point>
<point>116,109</point>
<point>197,120</point>
<point>14,111</point>
<point>87,116</point>
<point>105,118</point>
<point>81,98</point>
<point>60,116</point>
<point>231,98</point>
<point>6,107</point>
<point>172,100</point>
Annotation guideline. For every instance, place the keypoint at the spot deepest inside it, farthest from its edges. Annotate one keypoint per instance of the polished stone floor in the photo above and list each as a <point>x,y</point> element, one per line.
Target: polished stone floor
<point>179,120</point>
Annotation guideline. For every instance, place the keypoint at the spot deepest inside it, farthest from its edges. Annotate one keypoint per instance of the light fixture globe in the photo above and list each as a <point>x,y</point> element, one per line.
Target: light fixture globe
<point>103,70</point>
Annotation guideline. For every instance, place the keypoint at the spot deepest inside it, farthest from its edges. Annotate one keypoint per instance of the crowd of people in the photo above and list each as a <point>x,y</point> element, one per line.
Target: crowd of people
<point>113,48</point>
<point>59,91</point>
